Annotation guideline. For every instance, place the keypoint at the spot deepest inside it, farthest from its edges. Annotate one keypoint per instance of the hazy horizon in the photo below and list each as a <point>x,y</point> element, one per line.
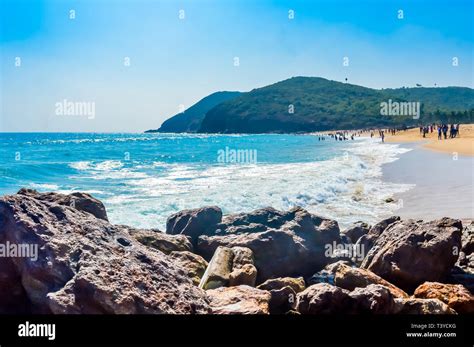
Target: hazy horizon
<point>139,62</point>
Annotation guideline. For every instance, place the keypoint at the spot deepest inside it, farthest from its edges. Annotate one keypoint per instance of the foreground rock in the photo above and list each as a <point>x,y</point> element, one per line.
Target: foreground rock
<point>350,278</point>
<point>86,265</point>
<point>77,200</point>
<point>160,241</point>
<point>373,299</point>
<point>247,274</point>
<point>408,253</point>
<point>297,284</point>
<point>194,222</point>
<point>239,300</point>
<point>367,240</point>
<point>356,231</point>
<point>283,292</point>
<point>219,269</point>
<point>288,244</point>
<point>422,306</point>
<point>194,264</point>
<point>456,297</point>
<point>323,298</point>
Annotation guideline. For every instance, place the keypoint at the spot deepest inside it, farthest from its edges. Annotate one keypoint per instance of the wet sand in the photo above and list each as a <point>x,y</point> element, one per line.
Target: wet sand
<point>444,184</point>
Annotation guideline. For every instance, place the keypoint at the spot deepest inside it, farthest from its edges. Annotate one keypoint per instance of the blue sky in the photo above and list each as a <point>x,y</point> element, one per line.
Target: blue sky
<point>177,61</point>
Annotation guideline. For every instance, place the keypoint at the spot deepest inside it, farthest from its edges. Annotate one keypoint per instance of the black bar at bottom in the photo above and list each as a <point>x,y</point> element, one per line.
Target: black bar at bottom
<point>288,330</point>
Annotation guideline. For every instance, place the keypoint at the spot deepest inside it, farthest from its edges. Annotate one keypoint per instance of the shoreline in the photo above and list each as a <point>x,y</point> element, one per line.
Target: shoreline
<point>462,145</point>
<point>442,185</point>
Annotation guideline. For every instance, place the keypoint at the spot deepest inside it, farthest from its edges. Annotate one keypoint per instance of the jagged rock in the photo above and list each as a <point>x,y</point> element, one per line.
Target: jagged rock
<point>410,252</point>
<point>460,276</point>
<point>255,221</point>
<point>239,300</point>
<point>245,275</point>
<point>356,231</point>
<point>242,256</point>
<point>283,291</point>
<point>466,262</point>
<point>351,278</point>
<point>161,241</point>
<point>218,270</point>
<point>466,256</point>
<point>373,299</point>
<point>455,296</point>
<point>195,222</point>
<point>13,298</point>
<point>422,306</point>
<point>80,201</point>
<point>467,240</point>
<point>86,265</point>
<point>297,248</point>
<point>283,300</point>
<point>327,274</point>
<point>297,284</point>
<point>194,264</point>
<point>323,298</point>
<point>367,241</point>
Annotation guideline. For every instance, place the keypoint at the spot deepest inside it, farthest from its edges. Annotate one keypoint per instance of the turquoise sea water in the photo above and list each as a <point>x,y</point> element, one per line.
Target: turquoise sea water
<point>143,178</point>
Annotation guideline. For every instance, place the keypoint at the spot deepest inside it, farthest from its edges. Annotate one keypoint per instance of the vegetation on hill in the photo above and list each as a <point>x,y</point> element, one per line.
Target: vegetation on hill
<point>190,120</point>
<point>303,104</point>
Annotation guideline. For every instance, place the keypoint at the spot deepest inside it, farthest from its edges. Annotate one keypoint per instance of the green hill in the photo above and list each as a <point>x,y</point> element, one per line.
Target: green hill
<point>320,104</point>
<point>190,120</point>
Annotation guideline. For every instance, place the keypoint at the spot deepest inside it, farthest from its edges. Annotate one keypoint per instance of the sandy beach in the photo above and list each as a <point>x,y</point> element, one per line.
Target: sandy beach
<point>464,144</point>
<point>444,185</point>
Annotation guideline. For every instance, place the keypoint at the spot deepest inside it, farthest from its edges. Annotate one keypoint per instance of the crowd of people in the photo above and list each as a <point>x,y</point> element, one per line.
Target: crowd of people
<point>442,129</point>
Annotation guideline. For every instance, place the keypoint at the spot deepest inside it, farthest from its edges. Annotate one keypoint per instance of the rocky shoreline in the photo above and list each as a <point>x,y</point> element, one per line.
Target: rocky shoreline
<point>263,262</point>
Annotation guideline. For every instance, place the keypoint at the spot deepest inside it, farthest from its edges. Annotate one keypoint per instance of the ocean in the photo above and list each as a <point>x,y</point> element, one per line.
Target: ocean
<point>144,178</point>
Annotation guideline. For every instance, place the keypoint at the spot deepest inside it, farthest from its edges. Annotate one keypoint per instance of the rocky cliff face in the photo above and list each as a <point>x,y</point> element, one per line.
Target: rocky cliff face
<point>263,262</point>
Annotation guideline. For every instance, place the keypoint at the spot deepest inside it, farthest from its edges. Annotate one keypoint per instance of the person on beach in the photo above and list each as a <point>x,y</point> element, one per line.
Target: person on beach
<point>382,135</point>
<point>439,132</point>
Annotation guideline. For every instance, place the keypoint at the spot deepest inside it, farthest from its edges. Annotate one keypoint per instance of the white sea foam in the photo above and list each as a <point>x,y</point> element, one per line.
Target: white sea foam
<point>43,187</point>
<point>347,188</point>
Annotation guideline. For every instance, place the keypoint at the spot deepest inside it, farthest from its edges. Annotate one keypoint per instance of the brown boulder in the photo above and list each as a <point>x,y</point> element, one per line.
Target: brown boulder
<point>218,270</point>
<point>194,264</point>
<point>296,249</point>
<point>77,200</point>
<point>195,222</point>
<point>372,299</point>
<point>350,278</point>
<point>356,231</point>
<point>297,284</point>
<point>239,300</point>
<point>410,252</point>
<point>323,298</point>
<point>455,296</point>
<point>160,241</point>
<point>86,265</point>
<point>422,306</point>
<point>245,275</point>
<point>242,256</point>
